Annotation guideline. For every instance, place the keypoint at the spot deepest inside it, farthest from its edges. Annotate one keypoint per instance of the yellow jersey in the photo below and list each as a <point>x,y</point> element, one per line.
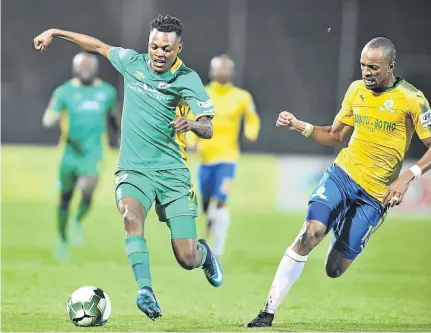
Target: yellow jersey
<point>383,128</point>
<point>232,105</point>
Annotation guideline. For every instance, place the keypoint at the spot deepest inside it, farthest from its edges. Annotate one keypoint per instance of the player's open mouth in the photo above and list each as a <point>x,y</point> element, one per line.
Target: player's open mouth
<point>368,81</point>
<point>159,63</point>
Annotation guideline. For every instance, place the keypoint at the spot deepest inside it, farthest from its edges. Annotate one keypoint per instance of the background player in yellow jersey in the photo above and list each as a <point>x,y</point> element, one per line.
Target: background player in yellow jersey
<point>219,155</point>
<point>355,192</point>
<point>86,102</point>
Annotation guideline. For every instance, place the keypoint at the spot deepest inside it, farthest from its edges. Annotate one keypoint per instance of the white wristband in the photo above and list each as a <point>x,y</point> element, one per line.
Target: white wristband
<point>417,171</point>
<point>308,130</point>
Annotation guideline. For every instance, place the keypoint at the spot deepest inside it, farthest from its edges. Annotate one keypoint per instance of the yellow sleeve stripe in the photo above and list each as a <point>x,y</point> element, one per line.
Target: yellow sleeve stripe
<point>107,53</point>
<point>53,112</point>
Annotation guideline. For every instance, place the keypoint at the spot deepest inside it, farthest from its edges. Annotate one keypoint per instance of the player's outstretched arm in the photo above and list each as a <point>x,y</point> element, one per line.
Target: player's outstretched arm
<point>202,127</point>
<point>326,135</point>
<point>395,193</point>
<point>86,43</point>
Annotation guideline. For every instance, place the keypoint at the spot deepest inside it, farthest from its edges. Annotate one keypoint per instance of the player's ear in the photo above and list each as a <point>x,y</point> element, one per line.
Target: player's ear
<point>392,66</point>
<point>180,47</point>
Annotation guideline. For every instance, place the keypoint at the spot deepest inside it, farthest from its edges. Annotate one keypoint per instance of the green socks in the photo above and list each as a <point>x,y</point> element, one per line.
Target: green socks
<point>63,215</point>
<point>137,252</point>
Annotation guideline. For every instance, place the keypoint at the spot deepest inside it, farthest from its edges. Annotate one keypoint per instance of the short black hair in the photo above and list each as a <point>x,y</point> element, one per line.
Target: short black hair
<point>386,45</point>
<point>167,23</point>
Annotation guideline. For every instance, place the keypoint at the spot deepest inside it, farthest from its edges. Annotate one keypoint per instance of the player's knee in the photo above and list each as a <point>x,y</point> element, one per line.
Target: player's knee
<point>310,235</point>
<point>87,185</point>
<point>132,222</point>
<point>333,271</point>
<point>65,200</point>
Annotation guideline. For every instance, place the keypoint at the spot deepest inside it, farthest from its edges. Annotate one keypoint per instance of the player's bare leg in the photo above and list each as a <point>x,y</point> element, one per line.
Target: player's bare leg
<point>137,251</point>
<point>192,254</point>
<point>289,270</point>
<point>86,184</point>
<point>336,264</point>
<point>188,254</point>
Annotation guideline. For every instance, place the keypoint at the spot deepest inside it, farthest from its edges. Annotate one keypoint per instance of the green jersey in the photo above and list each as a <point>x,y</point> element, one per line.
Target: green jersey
<point>148,141</point>
<point>85,108</point>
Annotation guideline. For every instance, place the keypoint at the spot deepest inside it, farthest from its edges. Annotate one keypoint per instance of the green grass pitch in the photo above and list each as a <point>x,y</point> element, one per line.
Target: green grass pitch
<point>388,288</point>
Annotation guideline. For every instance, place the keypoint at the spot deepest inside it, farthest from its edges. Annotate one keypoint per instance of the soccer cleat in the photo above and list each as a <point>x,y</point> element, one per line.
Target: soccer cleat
<point>263,319</point>
<point>147,303</point>
<point>61,252</point>
<point>211,267</point>
<point>76,237</point>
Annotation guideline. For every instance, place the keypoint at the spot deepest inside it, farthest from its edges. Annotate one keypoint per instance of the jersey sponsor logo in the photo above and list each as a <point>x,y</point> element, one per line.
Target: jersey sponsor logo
<point>144,88</point>
<point>206,104</point>
<point>89,105</point>
<point>362,98</point>
<point>319,193</point>
<point>374,123</point>
<point>425,118</point>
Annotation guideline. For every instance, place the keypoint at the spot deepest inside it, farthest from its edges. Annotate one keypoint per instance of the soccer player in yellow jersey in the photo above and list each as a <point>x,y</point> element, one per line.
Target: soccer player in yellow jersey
<point>356,191</point>
<point>219,155</point>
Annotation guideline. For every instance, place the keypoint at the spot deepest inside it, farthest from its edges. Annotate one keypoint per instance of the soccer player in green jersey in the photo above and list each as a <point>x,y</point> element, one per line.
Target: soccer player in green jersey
<point>152,163</point>
<point>84,104</point>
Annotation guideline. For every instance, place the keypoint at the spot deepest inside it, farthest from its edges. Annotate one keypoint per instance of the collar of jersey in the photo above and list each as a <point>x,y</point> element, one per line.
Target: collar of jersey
<point>221,88</point>
<point>77,83</point>
<point>398,80</point>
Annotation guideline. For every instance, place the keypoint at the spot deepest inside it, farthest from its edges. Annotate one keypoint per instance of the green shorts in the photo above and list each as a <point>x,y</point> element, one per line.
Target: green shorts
<point>73,166</point>
<point>170,189</point>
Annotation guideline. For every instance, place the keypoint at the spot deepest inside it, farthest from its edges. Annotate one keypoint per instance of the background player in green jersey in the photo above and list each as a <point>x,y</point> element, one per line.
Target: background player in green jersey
<point>83,104</point>
<point>152,164</point>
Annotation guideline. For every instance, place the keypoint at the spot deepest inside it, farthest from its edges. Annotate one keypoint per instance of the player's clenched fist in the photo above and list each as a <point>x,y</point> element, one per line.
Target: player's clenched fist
<point>42,41</point>
<point>182,124</point>
<point>286,120</point>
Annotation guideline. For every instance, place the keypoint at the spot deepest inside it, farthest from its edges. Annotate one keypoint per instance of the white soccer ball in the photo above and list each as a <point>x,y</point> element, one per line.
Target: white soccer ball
<point>89,306</point>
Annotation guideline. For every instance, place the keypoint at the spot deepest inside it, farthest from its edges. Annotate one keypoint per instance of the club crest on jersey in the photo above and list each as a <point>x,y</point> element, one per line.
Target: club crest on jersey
<point>425,118</point>
<point>388,106</point>
<point>319,193</point>
<point>139,75</point>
